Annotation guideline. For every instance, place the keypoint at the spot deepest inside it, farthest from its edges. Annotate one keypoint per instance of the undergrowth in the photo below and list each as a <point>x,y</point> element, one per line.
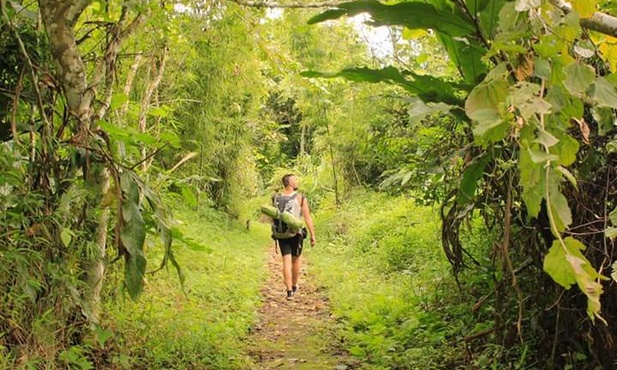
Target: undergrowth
<point>202,327</point>
<point>390,286</point>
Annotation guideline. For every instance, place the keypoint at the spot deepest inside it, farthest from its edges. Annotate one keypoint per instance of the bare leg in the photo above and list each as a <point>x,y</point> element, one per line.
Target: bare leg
<point>287,271</point>
<point>296,263</point>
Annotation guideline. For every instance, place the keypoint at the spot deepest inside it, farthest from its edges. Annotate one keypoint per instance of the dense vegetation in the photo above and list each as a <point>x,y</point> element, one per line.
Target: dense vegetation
<point>462,174</point>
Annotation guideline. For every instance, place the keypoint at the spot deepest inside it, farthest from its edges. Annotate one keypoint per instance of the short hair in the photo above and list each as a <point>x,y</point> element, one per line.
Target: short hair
<point>286,179</point>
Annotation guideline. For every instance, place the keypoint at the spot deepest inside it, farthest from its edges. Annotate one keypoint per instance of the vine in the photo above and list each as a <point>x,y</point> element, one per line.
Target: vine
<point>547,102</point>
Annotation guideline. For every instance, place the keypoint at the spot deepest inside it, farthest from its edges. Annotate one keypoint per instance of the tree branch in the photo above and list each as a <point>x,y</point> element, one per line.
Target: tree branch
<point>75,10</point>
<point>147,99</point>
<point>106,66</point>
<point>70,69</point>
<point>266,4</point>
<point>599,22</point>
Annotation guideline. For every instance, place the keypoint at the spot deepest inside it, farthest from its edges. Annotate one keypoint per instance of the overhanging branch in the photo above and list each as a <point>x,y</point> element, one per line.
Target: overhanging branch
<point>599,22</point>
<point>268,4</point>
<point>74,10</point>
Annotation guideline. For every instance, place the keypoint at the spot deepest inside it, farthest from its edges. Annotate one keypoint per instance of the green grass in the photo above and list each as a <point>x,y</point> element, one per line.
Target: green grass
<point>380,259</point>
<point>204,328</point>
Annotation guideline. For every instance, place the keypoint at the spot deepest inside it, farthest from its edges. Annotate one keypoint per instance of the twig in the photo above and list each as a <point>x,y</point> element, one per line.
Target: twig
<point>551,361</point>
<point>146,158</point>
<point>506,256</point>
<point>478,334</point>
<point>18,90</point>
<point>476,23</point>
<point>483,299</point>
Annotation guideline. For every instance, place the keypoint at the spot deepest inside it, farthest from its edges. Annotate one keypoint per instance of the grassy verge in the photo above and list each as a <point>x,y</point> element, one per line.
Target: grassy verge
<point>380,259</point>
<point>203,329</point>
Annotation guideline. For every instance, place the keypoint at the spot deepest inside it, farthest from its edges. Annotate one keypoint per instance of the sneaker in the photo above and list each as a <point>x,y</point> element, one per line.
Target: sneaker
<point>294,289</point>
<point>290,295</point>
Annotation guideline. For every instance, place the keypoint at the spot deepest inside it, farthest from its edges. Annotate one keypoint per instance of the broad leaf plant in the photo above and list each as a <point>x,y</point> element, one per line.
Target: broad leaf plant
<point>537,95</point>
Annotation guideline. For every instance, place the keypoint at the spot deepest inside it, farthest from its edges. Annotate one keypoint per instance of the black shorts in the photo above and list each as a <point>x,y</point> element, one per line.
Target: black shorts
<point>291,246</point>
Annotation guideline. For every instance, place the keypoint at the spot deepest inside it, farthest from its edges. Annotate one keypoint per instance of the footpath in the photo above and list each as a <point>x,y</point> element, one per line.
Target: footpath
<point>295,334</point>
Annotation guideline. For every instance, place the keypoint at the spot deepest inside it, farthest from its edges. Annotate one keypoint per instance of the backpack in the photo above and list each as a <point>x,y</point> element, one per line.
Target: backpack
<point>290,204</point>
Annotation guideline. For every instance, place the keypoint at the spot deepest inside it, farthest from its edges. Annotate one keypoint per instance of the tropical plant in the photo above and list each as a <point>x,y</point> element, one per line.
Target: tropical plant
<point>535,99</point>
<point>68,194</point>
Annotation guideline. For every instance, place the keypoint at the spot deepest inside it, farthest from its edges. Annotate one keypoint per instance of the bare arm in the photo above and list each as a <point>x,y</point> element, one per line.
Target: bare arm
<point>306,213</point>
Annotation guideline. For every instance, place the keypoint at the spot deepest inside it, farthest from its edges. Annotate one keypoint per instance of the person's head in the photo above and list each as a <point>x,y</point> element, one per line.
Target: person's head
<point>290,180</point>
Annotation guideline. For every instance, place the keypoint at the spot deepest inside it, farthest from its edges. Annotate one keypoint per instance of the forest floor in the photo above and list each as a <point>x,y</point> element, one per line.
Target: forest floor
<point>295,334</point>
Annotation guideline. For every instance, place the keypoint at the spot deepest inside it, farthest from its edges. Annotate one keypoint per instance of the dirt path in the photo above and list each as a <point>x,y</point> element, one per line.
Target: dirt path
<point>294,334</point>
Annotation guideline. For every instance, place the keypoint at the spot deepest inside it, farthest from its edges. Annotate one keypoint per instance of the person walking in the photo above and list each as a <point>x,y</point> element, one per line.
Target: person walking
<point>294,202</point>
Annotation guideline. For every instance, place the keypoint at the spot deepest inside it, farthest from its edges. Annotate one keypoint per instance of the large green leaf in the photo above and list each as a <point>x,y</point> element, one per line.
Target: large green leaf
<point>466,53</point>
<point>605,119</point>
<point>451,27</point>
<point>564,106</point>
<point>427,88</point>
<point>412,15</point>
<point>484,106</point>
<point>129,187</point>
<point>556,266</point>
<point>418,109</point>
<point>131,136</point>
<point>476,6</point>
<point>490,131</point>
<point>469,182</point>
<point>604,93</point>
<point>133,236</point>
<point>562,216</point>
<point>565,149</point>
<point>525,98</point>
<point>490,95</point>
<point>579,78</point>
<point>540,156</point>
<point>567,265</point>
<point>163,225</point>
<point>532,181</point>
<point>134,270</point>
<point>546,138</point>
<point>488,12</point>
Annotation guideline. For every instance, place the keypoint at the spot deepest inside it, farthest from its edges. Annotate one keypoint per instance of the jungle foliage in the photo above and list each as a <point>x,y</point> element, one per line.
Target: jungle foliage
<point>533,106</point>
<point>116,114</point>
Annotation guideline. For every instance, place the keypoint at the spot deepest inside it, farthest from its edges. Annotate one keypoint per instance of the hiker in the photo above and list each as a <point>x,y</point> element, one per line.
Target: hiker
<point>291,200</point>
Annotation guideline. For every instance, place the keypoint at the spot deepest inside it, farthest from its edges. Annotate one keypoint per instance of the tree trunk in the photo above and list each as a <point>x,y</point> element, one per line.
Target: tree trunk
<point>337,198</point>
<point>145,104</point>
<point>302,139</point>
<point>59,19</point>
<point>129,82</point>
